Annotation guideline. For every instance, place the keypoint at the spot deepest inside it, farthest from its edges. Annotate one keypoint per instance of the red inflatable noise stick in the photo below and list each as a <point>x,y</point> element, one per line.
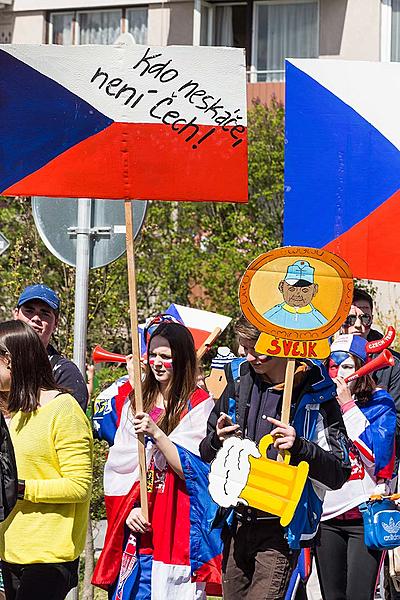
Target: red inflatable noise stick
<point>385,359</point>
<point>383,343</point>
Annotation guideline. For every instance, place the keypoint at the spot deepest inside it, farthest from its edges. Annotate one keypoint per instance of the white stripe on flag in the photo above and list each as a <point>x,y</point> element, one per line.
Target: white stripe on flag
<point>173,582</point>
<point>202,319</point>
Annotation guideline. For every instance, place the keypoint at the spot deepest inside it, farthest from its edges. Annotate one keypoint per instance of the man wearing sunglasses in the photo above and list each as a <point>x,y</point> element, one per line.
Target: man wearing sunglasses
<point>360,318</point>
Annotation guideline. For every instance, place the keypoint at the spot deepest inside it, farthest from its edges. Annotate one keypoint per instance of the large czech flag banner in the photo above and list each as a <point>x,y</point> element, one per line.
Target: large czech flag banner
<point>342,162</point>
<point>135,122</point>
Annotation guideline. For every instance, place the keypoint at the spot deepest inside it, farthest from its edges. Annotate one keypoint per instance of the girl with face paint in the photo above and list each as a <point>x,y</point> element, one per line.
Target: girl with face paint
<point>370,419</point>
<point>173,421</point>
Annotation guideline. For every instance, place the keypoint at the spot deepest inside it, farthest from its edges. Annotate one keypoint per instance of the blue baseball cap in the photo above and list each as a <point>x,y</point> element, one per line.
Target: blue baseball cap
<point>40,292</point>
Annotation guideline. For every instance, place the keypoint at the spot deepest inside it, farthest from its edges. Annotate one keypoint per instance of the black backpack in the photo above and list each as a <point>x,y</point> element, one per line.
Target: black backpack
<point>8,472</point>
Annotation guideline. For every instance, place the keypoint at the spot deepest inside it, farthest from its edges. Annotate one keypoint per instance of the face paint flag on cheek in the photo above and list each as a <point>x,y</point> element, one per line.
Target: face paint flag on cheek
<point>333,369</point>
<point>167,362</point>
<point>342,363</point>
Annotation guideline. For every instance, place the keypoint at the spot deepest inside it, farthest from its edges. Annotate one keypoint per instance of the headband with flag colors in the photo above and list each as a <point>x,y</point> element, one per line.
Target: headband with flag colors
<point>167,123</point>
<point>154,322</point>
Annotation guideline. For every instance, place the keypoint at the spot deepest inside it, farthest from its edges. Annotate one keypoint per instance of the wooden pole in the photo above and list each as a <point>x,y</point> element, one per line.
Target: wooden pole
<point>208,342</point>
<point>287,391</point>
<point>137,371</point>
<point>287,396</point>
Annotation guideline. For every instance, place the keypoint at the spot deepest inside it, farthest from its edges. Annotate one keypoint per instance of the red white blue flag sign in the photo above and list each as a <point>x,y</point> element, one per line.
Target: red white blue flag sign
<point>123,122</point>
<point>342,162</point>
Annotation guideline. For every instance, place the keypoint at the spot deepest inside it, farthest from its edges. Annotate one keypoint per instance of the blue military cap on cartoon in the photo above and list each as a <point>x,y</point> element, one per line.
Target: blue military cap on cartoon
<point>300,273</point>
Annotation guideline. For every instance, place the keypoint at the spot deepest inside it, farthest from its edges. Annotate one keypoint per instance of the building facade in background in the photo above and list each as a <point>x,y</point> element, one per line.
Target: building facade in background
<point>270,30</point>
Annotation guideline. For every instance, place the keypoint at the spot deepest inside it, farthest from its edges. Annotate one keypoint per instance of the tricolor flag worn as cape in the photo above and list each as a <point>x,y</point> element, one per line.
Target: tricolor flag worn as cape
<point>166,123</point>
<point>181,556</point>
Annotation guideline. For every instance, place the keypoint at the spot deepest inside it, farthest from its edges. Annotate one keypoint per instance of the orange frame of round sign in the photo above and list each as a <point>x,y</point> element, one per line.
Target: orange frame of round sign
<point>253,315</point>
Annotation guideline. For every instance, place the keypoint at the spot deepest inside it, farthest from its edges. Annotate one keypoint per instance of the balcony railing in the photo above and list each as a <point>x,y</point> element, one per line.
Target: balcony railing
<point>267,76</point>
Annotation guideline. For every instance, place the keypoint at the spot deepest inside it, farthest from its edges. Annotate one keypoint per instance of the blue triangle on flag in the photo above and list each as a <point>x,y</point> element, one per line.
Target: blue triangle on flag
<point>39,119</point>
<point>338,167</point>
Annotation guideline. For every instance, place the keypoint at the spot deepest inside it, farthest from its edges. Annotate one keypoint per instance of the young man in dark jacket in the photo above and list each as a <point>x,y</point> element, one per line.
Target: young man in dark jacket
<point>39,307</point>
<point>259,555</point>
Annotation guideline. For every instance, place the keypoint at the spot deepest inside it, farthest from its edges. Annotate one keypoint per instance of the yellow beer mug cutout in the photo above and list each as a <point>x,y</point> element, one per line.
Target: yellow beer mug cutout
<point>242,474</point>
<point>272,486</point>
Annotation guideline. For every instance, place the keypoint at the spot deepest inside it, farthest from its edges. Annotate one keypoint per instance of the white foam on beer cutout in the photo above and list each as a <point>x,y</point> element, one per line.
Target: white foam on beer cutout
<point>230,471</point>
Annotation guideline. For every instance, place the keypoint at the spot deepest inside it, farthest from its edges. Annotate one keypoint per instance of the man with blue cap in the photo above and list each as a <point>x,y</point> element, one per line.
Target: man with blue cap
<point>39,307</point>
<point>298,289</point>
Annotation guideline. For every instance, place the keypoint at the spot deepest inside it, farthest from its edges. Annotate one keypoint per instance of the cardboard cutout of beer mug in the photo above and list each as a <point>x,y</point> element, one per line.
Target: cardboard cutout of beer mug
<point>242,474</point>
<point>297,297</point>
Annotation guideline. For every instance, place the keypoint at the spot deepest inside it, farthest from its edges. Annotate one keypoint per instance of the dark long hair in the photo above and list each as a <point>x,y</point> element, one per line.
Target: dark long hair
<point>184,376</point>
<point>362,387</point>
<point>30,366</point>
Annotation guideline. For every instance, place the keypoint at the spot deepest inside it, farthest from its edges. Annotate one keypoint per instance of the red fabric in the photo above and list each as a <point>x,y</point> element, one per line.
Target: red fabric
<point>108,565</point>
<point>367,245</point>
<point>169,515</point>
<point>211,573</point>
<point>123,393</point>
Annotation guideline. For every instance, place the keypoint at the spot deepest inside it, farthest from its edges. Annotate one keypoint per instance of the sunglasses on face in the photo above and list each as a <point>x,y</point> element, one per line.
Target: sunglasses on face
<point>351,320</point>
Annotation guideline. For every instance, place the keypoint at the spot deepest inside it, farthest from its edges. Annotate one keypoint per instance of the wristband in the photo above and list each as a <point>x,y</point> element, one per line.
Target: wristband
<point>21,489</point>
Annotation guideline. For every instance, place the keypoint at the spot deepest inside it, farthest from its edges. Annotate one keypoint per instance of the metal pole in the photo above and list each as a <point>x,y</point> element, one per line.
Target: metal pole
<point>81,298</point>
<point>82,283</point>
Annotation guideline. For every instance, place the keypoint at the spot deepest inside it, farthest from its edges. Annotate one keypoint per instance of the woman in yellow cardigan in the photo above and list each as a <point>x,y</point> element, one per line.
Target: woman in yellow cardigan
<point>41,540</point>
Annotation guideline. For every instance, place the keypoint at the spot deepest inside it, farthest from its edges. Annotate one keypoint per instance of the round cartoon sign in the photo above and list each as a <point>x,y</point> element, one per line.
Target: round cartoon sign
<point>295,293</point>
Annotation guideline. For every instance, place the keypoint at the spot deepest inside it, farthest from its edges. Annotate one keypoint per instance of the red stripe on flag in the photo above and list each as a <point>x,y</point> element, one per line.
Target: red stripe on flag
<point>123,393</point>
<point>142,161</point>
<point>370,247</point>
<point>118,508</point>
<point>364,451</point>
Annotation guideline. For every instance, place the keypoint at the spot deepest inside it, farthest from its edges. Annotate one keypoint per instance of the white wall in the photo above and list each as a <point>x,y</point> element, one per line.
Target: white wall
<point>350,29</point>
<point>29,28</point>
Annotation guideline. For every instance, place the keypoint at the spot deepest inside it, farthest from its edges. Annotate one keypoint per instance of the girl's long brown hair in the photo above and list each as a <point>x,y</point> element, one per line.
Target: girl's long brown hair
<point>362,387</point>
<point>30,366</point>
<point>184,376</point>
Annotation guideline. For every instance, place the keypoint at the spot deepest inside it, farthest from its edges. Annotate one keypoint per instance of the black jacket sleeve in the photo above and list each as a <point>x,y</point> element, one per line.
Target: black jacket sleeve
<point>389,379</point>
<point>68,376</point>
<point>211,443</point>
<point>329,464</point>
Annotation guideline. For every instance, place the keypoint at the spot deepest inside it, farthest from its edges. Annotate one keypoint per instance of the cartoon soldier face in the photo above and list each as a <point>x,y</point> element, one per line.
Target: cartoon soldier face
<point>298,287</point>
